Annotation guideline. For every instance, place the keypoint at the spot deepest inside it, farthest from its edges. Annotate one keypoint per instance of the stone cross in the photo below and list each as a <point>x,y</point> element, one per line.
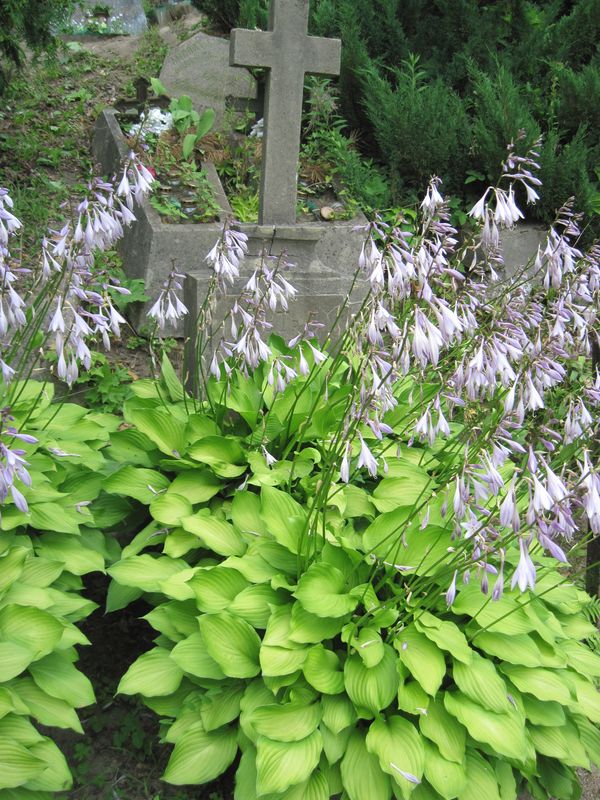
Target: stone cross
<point>288,52</point>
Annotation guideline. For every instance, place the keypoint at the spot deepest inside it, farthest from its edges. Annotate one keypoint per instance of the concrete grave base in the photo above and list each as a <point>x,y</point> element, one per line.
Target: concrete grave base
<point>325,255</point>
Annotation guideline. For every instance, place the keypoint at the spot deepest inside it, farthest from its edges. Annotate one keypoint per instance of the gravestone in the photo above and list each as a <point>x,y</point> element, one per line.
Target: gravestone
<point>199,68</point>
<point>288,53</point>
<point>125,17</point>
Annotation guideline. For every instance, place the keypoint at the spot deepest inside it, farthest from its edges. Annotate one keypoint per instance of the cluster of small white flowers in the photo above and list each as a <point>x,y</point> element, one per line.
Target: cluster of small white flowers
<point>155,121</point>
<point>13,465</point>
<point>169,309</point>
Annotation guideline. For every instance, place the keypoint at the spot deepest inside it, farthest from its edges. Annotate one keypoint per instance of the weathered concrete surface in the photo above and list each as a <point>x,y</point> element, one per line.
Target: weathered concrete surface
<point>199,67</point>
<point>520,245</point>
<point>325,254</point>
<point>288,53</point>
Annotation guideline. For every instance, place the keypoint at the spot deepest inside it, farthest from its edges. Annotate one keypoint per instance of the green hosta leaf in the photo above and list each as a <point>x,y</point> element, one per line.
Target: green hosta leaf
<point>280,765</point>
<point>503,616</point>
<point>422,657</point>
<point>281,661</point>
<point>445,730</point>
<point>217,450</point>
<point>446,635</point>
<point>412,698</point>
<point>233,643</point>
<point>322,590</point>
<point>245,512</point>
<point>57,676</point>
<point>11,566</point>
<point>307,628</point>
<point>399,748</point>
<point>56,776</point>
<point>338,712</point>
<point>590,738</point>
<point>170,509</point>
<point>315,788</point>
<point>141,484</point>
<point>371,690</point>
<point>542,712</point>
<point>169,376</point>
<point>216,587</point>
<point>448,778</point>
<point>504,732</point>
<point>481,779</point>
<point>334,745</point>
<point>322,669</point>
<point>541,683</point>
<point>192,657</point>
<point>154,674</point>
<point>580,658</point>
<point>46,709</point>
<point>480,681</point>
<point>18,764</point>
<point>557,780</point>
<point>588,697</point>
<point>41,572</point>
<point>55,517</point>
<point>283,517</point>
<point>179,542</point>
<point>221,706</point>
<point>13,660</point>
<point>286,723</point>
<point>254,604</point>
<point>516,649</point>
<point>160,427</point>
<point>132,446</point>
<point>78,559</point>
<point>562,743</point>
<point>216,534</point>
<point>361,774</point>
<point>198,485</point>
<point>506,780</point>
<point>357,502</point>
<point>369,646</point>
<point>402,490</point>
<point>200,757</point>
<point>20,730</point>
<point>31,628</point>
<point>146,572</point>
<point>119,596</point>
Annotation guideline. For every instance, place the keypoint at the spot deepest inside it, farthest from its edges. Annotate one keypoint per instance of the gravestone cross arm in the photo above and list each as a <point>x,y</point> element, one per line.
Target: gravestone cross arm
<point>288,53</point>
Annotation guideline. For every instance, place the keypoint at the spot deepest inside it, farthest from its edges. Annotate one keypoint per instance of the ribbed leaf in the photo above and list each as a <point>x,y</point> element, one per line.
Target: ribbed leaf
<point>200,757</point>
<point>544,684</point>
<point>422,657</point>
<point>323,591</point>
<point>221,706</point>
<point>154,674</point>
<point>372,690</point>
<point>504,732</point>
<point>216,587</point>
<point>448,778</point>
<point>31,628</point>
<point>170,509</point>
<point>13,660</point>
<point>198,485</point>
<point>283,764</point>
<point>145,571</point>
<point>278,661</point>
<point>232,643</point>
<point>18,764</point>
<point>399,748</point>
<point>446,635</point>
<point>286,723</point>
<point>309,629</point>
<point>361,774</point>
<point>504,615</point>
<point>254,604</point>
<point>543,712</point>
<point>283,517</point>
<point>338,712</point>
<point>216,534</point>
<point>481,779</point>
<point>141,484</point>
<point>515,649</point>
<point>193,657</point>
<point>480,681</point>
<point>445,730</point>
<point>46,709</point>
<point>56,776</point>
<point>57,676</point>
<point>160,427</point>
<point>322,669</point>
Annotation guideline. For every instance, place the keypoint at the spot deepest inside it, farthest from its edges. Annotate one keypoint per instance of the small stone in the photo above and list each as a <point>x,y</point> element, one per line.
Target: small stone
<point>327,213</point>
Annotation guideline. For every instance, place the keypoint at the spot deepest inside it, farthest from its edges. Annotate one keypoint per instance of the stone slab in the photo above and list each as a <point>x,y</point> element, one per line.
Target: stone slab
<point>126,17</point>
<point>325,254</point>
<point>520,245</point>
<point>199,68</point>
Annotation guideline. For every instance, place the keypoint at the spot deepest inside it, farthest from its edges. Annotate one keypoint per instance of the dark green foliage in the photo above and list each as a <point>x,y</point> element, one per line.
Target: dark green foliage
<point>29,23</point>
<point>227,14</point>
<point>564,172</point>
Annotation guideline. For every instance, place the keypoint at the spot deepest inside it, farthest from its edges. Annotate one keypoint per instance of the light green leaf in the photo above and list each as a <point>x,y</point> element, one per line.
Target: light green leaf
<point>542,712</point>
<point>399,748</point>
<point>200,757</point>
<point>307,628</point>
<point>254,604</point>
<point>557,743</point>
<point>78,559</point>
<point>480,681</point>
<point>233,643</point>
<point>371,690</point>
<point>514,648</point>
<point>368,645</point>
<point>412,698</point>
<point>198,485</point>
<point>56,776</point>
<point>422,657</point>
<point>46,709</point>
<point>283,517</point>
<point>322,669</point>
<point>216,587</point>
<point>205,123</point>
<point>146,572</point>
<point>36,630</point>
<point>502,616</point>
<point>141,484</point>
<point>338,712</point>
<point>445,730</point>
<point>448,778</point>
<point>589,735</point>
<point>11,566</point>
<point>323,591</point>
<point>170,509</point>
<point>544,684</point>
<point>506,780</point>
<point>192,657</point>
<point>169,376</point>
<point>334,745</point>
<point>403,490</point>
<point>286,723</point>
<point>281,661</point>
<point>57,676</point>
<point>18,764</point>
<point>221,706</point>
<point>361,774</point>
<point>481,779</point>
<point>13,660</point>
<point>154,674</point>
<point>446,635</point>
<point>245,512</point>
<point>160,427</point>
<point>217,534</point>
<point>504,732</point>
<point>581,658</point>
<point>55,517</point>
<point>283,764</point>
